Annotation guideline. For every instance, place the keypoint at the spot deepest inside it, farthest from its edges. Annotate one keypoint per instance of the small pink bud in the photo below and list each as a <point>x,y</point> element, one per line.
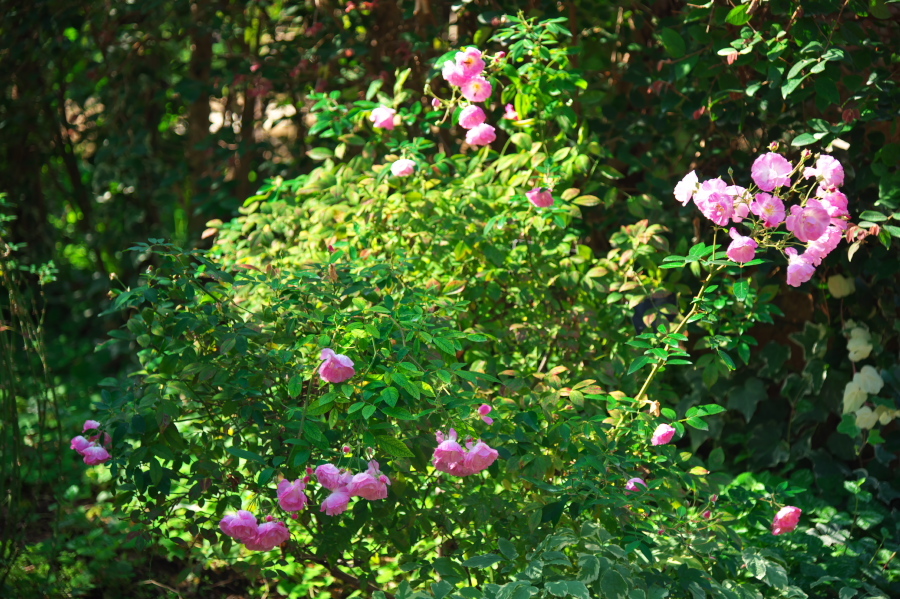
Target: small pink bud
<point>435,103</point>
<point>773,147</point>
<point>707,514</point>
<point>269,518</point>
<point>309,470</point>
<point>714,498</point>
<point>501,54</point>
<point>306,479</point>
<point>346,449</point>
<point>484,409</point>
<point>294,516</point>
<point>807,153</point>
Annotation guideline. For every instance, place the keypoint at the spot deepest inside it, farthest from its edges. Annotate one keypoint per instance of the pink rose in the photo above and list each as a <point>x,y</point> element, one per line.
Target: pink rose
<point>717,207</point>
<point>367,486</point>
<point>330,477</point>
<point>448,452</point>
<point>435,103</point>
<point>817,250</point>
<point>828,171</point>
<point>90,425</point>
<point>477,89</point>
<point>685,188</point>
<point>383,117</point>
<point>79,444</point>
<point>800,268</point>
<point>511,113</point>
<point>786,520</point>
<point>454,74</point>
<point>401,168</point>
<point>770,171</point>
<point>336,503</point>
<point>707,188</point>
<point>540,197</point>
<point>480,135</point>
<point>809,223</point>
<point>471,62</point>
<point>769,208</point>
<point>483,411</point>
<point>632,484</point>
<point>833,201</point>
<point>336,368</point>
<point>291,497</point>
<point>94,455</point>
<point>479,457</point>
<point>241,525</point>
<point>662,435</point>
<point>471,116</point>
<point>707,515</point>
<point>269,535</point>
<point>742,249</point>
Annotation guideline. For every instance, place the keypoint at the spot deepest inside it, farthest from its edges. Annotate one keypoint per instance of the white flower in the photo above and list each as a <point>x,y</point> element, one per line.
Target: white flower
<point>854,397</point>
<point>840,286</point>
<point>866,418</point>
<point>859,345</point>
<point>869,379</point>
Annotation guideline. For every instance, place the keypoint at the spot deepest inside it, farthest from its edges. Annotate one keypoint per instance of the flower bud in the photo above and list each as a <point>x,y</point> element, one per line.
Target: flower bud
<point>773,147</point>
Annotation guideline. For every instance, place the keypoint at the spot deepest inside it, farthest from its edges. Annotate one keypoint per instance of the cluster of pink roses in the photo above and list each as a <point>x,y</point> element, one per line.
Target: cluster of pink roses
<point>371,485</point>
<point>90,448</point>
<point>242,527</point>
<point>818,222</point>
<point>450,457</point>
<point>465,72</point>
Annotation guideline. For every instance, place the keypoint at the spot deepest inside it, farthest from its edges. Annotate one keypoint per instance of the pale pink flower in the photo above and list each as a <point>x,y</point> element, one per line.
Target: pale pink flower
<point>471,62</point>
<point>483,411</point>
<point>769,208</point>
<point>833,201</point>
<point>291,497</point>
<point>94,455</point>
<point>771,170</point>
<point>817,250</point>
<point>241,525</point>
<point>269,535</point>
<point>403,167</point>
<point>79,444</point>
<point>632,485</point>
<point>800,269</point>
<point>742,249</point>
<point>330,477</point>
<point>540,197</point>
<point>786,520</point>
<point>479,457</point>
<point>828,171</point>
<point>383,117</point>
<point>662,435</point>
<point>336,368</point>
<point>435,103</point>
<point>685,188</point>
<point>336,503</point>
<point>454,74</point>
<point>707,188</point>
<point>90,425</point>
<point>511,113</point>
<point>717,207</point>
<point>480,135</point>
<point>471,116</point>
<point>477,89</point>
<point>808,224</point>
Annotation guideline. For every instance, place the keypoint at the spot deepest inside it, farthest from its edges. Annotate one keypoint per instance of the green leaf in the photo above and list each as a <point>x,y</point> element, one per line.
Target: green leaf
<point>672,42</point>
<point>638,364</point>
<point>390,395</point>
<point>590,568</point>
<point>848,426</point>
<point>319,153</point>
<point>738,15</point>
<point>740,290</point>
<point>405,383</point>
<point>482,561</point>
<point>441,589</point>
<point>508,549</point>
<point>697,423</point>
<point>398,413</point>
<point>247,455</point>
<point>367,411</point>
<point>804,139</point>
<point>613,585</point>
<point>445,345</point>
<point>871,215</point>
<point>393,446</point>
<point>295,385</point>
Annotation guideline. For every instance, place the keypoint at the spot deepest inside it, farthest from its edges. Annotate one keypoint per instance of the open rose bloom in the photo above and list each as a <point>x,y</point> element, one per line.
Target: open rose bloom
<point>336,368</point>
<point>93,449</point>
<point>662,435</point>
<point>450,457</point>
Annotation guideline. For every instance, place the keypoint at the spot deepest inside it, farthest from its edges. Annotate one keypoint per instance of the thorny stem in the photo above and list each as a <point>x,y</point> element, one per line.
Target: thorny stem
<point>684,321</point>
